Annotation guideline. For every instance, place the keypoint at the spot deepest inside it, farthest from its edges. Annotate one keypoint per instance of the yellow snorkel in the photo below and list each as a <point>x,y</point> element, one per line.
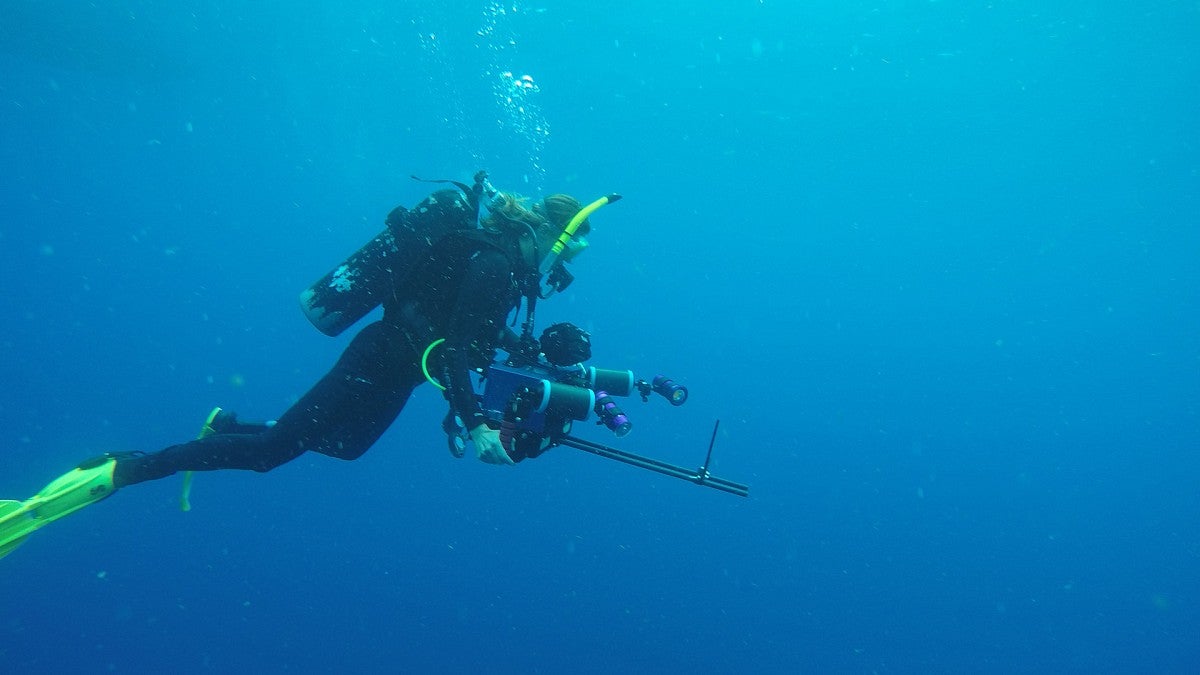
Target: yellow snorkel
<point>569,231</point>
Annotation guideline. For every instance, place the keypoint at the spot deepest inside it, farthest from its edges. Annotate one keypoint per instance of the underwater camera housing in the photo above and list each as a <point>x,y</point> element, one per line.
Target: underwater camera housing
<point>535,405</point>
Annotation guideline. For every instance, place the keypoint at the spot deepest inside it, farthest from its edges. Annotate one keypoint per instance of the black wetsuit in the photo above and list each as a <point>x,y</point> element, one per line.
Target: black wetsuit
<point>463,292</point>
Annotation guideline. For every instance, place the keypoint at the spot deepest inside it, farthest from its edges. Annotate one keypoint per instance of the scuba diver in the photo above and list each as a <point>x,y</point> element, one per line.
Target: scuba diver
<point>448,273</point>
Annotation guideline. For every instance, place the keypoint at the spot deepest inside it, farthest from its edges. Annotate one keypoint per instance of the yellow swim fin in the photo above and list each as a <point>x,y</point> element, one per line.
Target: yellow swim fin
<point>87,484</point>
<point>206,430</point>
<point>210,424</point>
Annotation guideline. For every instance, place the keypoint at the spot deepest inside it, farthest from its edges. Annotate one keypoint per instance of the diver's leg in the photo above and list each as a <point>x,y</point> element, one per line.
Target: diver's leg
<point>341,416</point>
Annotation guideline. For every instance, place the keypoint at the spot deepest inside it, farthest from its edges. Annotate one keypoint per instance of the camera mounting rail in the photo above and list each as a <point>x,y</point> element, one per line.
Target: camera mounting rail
<point>699,476</point>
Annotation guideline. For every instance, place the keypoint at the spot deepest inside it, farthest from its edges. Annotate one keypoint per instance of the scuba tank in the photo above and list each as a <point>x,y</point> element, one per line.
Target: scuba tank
<point>353,288</point>
<point>362,281</point>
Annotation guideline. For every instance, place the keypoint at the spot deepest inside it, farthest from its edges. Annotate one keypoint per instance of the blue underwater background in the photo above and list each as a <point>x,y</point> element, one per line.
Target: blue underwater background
<point>932,264</point>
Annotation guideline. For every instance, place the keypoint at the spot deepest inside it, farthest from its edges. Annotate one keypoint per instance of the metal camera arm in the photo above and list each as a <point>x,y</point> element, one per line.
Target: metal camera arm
<point>699,476</point>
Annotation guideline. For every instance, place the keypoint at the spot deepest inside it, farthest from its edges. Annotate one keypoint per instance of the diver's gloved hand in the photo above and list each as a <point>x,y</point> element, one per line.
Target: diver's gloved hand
<point>488,447</point>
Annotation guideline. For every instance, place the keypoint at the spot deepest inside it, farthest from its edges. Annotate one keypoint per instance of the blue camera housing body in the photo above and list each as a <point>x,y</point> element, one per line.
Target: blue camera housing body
<point>504,381</point>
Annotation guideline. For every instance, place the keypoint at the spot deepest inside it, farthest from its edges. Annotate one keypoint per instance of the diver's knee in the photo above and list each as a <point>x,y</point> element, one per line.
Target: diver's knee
<point>275,460</point>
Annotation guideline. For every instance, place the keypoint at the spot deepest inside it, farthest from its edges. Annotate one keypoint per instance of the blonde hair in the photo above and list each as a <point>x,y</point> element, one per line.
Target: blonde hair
<point>546,218</point>
<point>511,209</point>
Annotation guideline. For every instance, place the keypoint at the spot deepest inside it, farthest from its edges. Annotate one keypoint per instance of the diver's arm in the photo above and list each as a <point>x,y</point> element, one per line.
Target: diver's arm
<point>483,302</point>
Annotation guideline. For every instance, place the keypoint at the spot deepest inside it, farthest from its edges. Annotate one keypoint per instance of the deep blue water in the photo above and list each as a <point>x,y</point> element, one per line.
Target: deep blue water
<point>933,265</point>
